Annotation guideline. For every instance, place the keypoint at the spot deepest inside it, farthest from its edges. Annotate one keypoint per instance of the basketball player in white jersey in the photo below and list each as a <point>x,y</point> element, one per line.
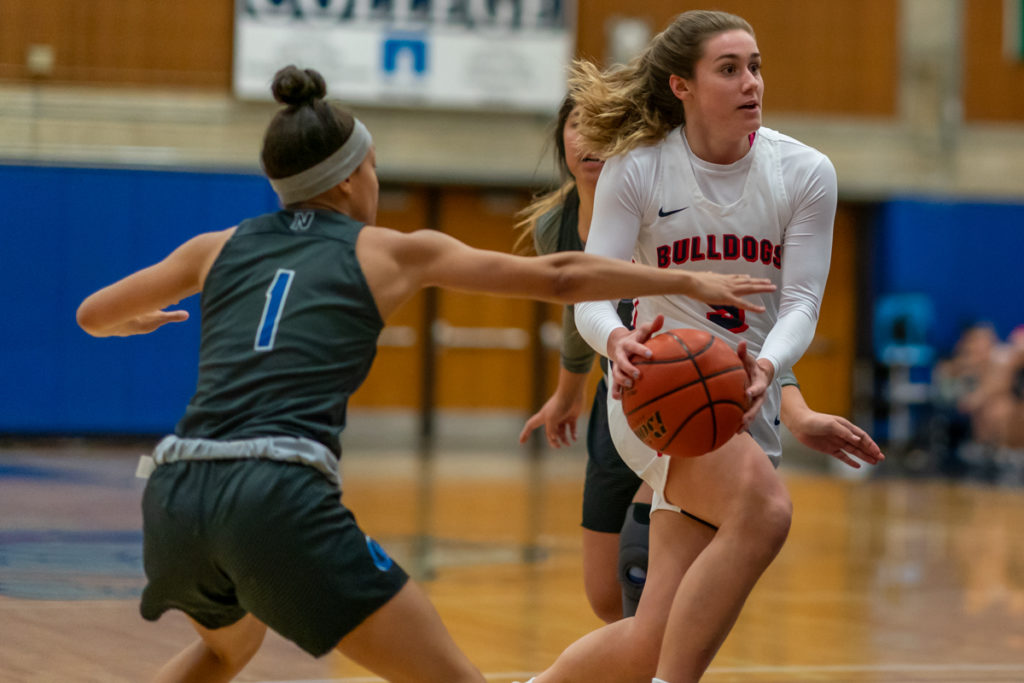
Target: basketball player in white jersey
<point>693,181</point>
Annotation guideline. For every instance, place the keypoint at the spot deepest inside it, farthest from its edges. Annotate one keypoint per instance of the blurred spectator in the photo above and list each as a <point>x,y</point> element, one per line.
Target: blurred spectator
<point>956,381</point>
<point>977,425</point>
<point>996,405</point>
<point>959,376</point>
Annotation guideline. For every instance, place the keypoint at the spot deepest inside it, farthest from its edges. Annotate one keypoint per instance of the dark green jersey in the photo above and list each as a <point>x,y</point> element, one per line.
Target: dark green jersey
<point>289,331</point>
<point>558,230</point>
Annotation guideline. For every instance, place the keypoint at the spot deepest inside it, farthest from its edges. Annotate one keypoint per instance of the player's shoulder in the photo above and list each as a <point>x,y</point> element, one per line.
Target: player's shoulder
<point>791,148</point>
<point>796,155</point>
<point>206,242</point>
<point>645,155</point>
<point>637,166</point>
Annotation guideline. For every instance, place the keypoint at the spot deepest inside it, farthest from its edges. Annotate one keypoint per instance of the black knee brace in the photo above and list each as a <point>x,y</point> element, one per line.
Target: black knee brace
<point>634,546</point>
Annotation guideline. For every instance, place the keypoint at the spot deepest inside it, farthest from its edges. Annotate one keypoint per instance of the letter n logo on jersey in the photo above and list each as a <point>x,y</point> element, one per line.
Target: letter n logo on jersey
<point>303,221</point>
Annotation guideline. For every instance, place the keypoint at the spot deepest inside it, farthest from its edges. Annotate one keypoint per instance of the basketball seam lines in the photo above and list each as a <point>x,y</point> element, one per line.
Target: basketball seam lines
<point>692,357</point>
<point>686,386</point>
<point>707,392</point>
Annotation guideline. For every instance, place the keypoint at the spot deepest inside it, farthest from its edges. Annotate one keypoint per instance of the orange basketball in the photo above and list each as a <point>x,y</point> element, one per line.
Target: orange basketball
<point>691,394</point>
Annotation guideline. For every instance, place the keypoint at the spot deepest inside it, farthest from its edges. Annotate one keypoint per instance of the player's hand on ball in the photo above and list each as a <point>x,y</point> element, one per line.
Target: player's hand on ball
<point>760,375</point>
<point>691,395</point>
<point>623,346</point>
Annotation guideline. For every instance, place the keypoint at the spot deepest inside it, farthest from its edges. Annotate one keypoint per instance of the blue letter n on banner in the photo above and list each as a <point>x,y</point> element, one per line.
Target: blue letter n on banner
<point>415,45</point>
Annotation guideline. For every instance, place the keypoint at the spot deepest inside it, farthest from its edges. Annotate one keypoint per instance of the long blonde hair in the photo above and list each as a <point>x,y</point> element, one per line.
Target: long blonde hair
<point>631,105</point>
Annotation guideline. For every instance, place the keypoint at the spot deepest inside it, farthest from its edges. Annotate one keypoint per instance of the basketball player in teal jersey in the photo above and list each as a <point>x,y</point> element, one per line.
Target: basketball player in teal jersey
<point>616,506</point>
<point>242,517</point>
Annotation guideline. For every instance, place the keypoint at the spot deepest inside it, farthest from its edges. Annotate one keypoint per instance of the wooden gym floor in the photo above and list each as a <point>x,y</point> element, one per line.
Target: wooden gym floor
<point>882,579</point>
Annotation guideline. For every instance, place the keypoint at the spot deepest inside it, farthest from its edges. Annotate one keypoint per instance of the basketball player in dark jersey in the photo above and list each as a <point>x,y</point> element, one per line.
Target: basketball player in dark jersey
<point>243,523</point>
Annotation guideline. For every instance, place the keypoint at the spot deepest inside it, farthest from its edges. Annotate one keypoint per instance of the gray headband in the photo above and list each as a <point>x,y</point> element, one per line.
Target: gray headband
<point>329,172</point>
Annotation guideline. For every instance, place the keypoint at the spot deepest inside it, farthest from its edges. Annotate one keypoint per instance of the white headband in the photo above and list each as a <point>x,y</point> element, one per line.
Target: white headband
<point>329,172</point>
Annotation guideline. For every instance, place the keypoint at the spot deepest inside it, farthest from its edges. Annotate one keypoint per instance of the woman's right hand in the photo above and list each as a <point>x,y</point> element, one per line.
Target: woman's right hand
<point>718,289</point>
<point>623,346</point>
<point>558,417</point>
<point>759,375</point>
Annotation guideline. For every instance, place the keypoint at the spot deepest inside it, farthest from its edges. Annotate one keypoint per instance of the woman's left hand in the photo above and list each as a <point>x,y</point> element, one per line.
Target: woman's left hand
<point>836,436</point>
<point>148,322</point>
<point>759,375</point>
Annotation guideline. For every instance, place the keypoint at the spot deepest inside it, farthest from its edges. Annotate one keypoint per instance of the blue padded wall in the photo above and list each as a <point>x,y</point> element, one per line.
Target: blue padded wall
<point>70,231</point>
<point>967,256</point>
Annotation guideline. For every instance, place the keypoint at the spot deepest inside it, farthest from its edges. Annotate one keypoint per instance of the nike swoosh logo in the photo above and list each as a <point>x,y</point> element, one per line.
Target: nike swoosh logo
<point>662,212</point>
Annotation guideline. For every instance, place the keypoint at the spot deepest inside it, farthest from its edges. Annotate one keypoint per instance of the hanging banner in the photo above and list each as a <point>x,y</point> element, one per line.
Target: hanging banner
<point>492,54</point>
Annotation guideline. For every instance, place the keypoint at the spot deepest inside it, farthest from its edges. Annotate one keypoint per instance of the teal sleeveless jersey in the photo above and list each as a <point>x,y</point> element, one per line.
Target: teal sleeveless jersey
<point>289,330</point>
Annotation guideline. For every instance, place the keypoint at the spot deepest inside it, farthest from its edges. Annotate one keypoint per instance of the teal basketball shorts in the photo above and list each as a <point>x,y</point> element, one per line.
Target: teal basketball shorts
<point>223,538</point>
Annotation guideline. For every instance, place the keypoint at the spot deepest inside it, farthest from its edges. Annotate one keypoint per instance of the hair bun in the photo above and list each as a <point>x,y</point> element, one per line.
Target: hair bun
<point>295,87</point>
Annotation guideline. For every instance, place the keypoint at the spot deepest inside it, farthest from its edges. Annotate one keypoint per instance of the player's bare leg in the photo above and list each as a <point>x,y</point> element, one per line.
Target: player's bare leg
<point>737,485</point>
<point>627,650</point>
<point>405,642</point>
<point>219,654</point>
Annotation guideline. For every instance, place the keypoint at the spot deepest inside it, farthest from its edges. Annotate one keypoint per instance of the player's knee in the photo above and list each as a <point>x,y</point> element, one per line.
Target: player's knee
<point>768,522</point>
<point>634,547</point>
<point>606,602</point>
<point>778,519</point>
<point>644,647</point>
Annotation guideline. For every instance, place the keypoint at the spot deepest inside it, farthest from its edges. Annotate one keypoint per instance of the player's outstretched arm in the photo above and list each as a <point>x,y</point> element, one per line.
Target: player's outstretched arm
<point>136,303</point>
<point>569,277</point>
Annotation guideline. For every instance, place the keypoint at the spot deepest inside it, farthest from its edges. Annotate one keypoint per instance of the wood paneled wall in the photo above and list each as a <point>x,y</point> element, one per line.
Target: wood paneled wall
<point>396,378</point>
<point>494,377</point>
<point>465,377</point>
<point>993,83</point>
<point>834,57</point>
<point>840,57</point>
<point>825,372</point>
<point>121,42</point>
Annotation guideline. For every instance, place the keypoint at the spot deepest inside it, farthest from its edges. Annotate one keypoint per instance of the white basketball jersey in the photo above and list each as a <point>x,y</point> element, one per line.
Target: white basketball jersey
<point>650,202</point>
<point>682,228</point>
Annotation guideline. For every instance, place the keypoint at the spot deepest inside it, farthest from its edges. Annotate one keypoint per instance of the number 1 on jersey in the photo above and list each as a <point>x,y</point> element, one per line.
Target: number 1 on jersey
<point>277,292</point>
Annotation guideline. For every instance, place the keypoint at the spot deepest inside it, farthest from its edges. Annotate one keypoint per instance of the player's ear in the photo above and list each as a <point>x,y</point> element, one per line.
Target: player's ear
<point>343,189</point>
<point>680,87</point>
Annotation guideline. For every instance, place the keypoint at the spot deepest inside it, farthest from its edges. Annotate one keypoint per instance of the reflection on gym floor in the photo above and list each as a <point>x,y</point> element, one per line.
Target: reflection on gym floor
<point>881,580</point>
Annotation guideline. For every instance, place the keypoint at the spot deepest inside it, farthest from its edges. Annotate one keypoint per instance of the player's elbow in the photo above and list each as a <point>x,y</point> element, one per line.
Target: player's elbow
<point>89,319</point>
<point>568,278</point>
